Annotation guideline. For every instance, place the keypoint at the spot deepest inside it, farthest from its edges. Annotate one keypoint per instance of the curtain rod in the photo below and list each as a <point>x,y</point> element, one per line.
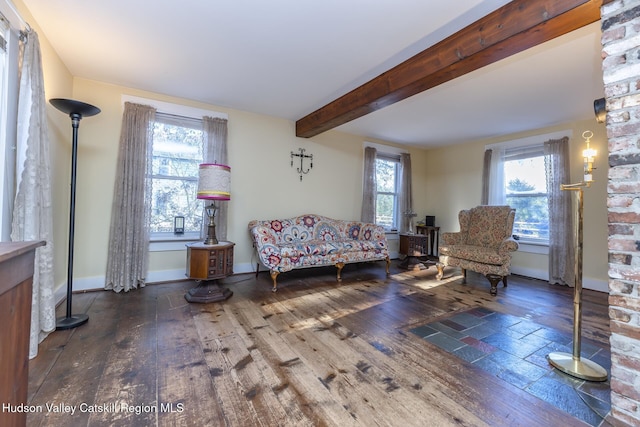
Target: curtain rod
<point>14,14</point>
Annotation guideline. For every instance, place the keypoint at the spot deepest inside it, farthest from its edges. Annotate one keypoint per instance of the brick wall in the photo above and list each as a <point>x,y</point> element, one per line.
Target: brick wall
<point>621,74</point>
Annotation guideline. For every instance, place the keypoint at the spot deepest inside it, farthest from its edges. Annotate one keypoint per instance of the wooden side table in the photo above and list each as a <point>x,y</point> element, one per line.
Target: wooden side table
<point>413,246</point>
<point>433,233</point>
<point>206,264</point>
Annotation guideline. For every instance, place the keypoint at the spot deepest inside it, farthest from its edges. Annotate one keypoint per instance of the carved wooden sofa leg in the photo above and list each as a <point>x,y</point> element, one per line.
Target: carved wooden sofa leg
<point>388,261</point>
<point>440,267</point>
<point>274,275</point>
<point>339,266</point>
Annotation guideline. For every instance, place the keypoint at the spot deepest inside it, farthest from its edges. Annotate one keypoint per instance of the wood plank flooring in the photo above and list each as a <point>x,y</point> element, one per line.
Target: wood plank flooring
<point>316,353</point>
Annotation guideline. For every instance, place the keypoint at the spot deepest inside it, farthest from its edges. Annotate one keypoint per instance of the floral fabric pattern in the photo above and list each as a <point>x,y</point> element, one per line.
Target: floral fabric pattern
<point>484,243</point>
<point>314,240</point>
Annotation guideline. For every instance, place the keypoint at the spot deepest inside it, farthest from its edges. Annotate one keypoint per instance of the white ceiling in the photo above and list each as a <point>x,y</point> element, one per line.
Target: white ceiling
<point>287,58</point>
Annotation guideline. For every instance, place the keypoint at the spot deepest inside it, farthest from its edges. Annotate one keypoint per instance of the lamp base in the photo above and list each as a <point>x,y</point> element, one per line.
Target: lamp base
<point>208,291</point>
<point>211,234</point>
<point>71,322</point>
<point>584,369</point>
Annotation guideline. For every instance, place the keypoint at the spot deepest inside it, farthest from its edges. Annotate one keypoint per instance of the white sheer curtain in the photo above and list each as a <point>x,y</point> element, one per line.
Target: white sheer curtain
<point>405,199</point>
<point>496,193</point>
<point>32,213</point>
<point>128,256</point>
<point>215,151</point>
<point>561,223</point>
<point>368,212</point>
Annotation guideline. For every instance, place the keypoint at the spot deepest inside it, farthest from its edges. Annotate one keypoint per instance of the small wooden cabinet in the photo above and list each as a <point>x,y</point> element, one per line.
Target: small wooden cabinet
<point>433,233</point>
<point>413,246</point>
<point>207,264</point>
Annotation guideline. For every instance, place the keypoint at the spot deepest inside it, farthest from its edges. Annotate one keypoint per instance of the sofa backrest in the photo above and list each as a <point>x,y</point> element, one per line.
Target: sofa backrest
<point>487,226</point>
<point>314,227</point>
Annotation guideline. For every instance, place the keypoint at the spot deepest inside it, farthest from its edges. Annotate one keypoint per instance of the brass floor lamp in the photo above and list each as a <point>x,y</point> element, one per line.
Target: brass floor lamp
<point>573,364</point>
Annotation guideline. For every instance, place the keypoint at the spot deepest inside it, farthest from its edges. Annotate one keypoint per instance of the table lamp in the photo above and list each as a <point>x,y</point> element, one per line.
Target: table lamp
<point>214,183</point>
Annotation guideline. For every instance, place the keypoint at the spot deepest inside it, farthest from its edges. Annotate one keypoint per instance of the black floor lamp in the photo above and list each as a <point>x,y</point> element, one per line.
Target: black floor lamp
<point>76,110</point>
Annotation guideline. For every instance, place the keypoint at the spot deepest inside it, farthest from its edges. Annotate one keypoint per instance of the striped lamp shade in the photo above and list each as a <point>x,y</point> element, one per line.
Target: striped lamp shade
<point>214,182</point>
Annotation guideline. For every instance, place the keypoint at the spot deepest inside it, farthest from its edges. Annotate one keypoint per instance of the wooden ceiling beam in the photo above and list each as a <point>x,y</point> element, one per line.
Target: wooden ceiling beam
<point>511,29</point>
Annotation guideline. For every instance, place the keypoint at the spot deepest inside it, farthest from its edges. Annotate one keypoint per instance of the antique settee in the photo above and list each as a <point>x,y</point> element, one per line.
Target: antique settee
<point>314,241</point>
<point>484,244</point>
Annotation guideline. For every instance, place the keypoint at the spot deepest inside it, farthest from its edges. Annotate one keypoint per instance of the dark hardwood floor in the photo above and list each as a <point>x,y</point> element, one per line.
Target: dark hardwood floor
<point>315,353</point>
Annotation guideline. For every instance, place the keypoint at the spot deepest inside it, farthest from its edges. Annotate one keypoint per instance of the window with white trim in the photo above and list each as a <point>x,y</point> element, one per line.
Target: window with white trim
<point>387,190</point>
<point>525,188</point>
<point>8,122</point>
<point>176,153</point>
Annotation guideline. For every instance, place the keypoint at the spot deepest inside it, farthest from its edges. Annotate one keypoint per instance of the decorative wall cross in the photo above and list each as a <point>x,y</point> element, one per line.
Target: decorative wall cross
<point>301,154</point>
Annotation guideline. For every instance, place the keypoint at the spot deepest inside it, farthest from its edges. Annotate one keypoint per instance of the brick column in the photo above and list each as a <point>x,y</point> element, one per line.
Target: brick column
<point>621,75</point>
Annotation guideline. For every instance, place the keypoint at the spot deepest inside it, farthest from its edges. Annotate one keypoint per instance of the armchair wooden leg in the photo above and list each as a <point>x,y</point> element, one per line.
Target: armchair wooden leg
<point>388,261</point>
<point>494,279</point>
<point>340,266</point>
<point>440,267</point>
<point>274,275</point>
<point>464,275</point>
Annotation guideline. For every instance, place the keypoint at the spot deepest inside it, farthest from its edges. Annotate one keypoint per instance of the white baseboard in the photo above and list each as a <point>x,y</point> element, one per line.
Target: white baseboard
<point>587,282</point>
<point>96,283</point>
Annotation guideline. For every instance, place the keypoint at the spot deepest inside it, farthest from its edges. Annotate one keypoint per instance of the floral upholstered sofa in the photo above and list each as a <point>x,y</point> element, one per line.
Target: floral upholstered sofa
<point>315,241</point>
<point>484,244</point>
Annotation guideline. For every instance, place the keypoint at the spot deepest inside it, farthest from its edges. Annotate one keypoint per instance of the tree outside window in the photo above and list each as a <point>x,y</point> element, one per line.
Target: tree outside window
<point>526,192</point>
<point>176,153</point>
<point>387,192</point>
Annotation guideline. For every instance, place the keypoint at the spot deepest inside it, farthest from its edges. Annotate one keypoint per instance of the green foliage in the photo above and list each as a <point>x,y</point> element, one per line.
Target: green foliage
<point>519,185</point>
<point>177,152</point>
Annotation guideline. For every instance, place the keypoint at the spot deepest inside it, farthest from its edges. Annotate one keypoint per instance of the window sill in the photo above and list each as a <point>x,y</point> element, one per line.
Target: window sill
<point>171,242</point>
<point>533,247</point>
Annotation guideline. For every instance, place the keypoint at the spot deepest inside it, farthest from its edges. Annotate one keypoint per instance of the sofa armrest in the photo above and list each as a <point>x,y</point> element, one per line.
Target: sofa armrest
<point>508,245</point>
<point>451,238</point>
<point>261,234</point>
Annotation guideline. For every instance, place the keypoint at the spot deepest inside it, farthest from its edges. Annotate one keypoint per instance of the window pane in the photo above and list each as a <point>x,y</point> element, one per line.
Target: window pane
<point>170,198</point>
<point>387,192</point>
<point>385,207</point>
<point>177,152</point>
<point>386,175</point>
<point>526,191</point>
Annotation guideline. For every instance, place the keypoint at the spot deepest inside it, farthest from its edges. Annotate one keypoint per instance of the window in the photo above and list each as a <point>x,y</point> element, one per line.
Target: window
<point>525,189</point>
<point>387,183</point>
<point>8,119</point>
<point>176,153</point>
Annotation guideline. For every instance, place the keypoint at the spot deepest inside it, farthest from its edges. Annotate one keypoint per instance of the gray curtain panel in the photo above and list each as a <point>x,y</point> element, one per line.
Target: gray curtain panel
<point>486,171</point>
<point>561,214</point>
<point>368,213</point>
<point>215,151</point>
<point>406,193</point>
<point>128,255</point>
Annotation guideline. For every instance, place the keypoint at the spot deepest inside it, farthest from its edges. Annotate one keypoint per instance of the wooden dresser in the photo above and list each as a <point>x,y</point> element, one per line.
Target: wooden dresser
<point>16,280</point>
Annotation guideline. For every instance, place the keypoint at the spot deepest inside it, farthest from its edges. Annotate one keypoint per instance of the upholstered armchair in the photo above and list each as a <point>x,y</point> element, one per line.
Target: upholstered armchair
<point>484,244</point>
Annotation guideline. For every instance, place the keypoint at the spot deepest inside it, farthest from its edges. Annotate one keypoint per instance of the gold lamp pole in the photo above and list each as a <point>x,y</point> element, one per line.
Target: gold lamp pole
<point>573,364</point>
